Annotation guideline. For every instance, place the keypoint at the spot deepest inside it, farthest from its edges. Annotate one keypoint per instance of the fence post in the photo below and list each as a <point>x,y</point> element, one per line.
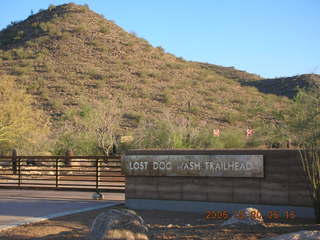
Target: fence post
<point>19,172</point>
<point>14,161</point>
<point>69,153</point>
<point>98,163</point>
<point>57,172</point>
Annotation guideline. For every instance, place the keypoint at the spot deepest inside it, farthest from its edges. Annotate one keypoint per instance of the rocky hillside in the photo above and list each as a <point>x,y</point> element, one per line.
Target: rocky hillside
<point>72,59</point>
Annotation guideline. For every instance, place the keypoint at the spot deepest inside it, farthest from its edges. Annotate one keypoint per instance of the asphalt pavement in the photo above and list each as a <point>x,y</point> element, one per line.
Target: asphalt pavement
<point>18,207</point>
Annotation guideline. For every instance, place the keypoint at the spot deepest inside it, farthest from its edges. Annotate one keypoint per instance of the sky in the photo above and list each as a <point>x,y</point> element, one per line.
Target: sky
<point>271,38</point>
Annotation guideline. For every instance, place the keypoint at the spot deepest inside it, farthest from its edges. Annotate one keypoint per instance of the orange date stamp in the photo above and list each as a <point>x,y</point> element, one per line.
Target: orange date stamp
<point>271,215</point>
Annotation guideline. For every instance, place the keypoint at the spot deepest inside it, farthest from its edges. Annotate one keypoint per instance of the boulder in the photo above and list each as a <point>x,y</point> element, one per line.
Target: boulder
<point>302,235</point>
<point>118,224</point>
<point>247,216</point>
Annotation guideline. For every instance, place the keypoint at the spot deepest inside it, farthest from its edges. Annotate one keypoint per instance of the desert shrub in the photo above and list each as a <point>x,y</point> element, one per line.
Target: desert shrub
<point>18,35</point>
<point>20,53</point>
<point>231,117</point>
<point>49,28</point>
<point>165,97</point>
<point>161,49</point>
<point>194,109</point>
<point>57,103</point>
<point>99,84</point>
<point>99,46</point>
<point>255,141</point>
<point>69,115</point>
<point>45,93</point>
<point>6,55</point>
<point>139,92</point>
<point>155,56</point>
<point>86,7</point>
<point>162,97</point>
<point>134,117</point>
<point>94,74</point>
<point>104,29</point>
<point>80,28</point>
<point>233,139</point>
<point>183,133</point>
<point>51,7</point>
<point>80,143</point>
<point>166,133</point>
<point>85,110</point>
<point>174,65</point>
<point>21,70</point>
<point>36,85</point>
<point>158,134</point>
<point>205,139</point>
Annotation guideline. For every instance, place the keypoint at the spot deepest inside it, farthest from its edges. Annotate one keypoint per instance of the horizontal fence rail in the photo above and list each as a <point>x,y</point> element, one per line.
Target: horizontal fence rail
<point>84,173</point>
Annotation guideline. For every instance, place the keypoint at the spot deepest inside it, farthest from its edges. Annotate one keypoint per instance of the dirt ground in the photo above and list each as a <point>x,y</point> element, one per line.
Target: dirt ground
<point>162,225</point>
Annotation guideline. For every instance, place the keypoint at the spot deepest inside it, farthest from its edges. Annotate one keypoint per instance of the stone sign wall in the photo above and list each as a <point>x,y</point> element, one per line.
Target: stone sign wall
<point>277,178</point>
<point>194,165</point>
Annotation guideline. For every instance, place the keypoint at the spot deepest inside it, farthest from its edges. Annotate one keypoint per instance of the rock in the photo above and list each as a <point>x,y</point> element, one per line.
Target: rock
<point>247,216</point>
<point>118,224</point>
<point>302,235</point>
<point>97,196</point>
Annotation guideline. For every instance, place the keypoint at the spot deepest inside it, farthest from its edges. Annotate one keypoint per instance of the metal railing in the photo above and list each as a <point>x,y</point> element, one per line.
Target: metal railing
<point>87,173</point>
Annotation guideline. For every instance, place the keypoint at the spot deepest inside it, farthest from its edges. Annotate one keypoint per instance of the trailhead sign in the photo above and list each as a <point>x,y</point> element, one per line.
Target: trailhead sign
<point>194,165</point>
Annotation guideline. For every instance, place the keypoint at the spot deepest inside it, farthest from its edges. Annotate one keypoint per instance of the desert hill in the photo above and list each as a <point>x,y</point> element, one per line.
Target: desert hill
<point>286,86</point>
<point>72,60</point>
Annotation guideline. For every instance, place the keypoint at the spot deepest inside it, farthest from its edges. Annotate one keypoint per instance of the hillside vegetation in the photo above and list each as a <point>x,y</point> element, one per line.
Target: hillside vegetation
<point>96,82</point>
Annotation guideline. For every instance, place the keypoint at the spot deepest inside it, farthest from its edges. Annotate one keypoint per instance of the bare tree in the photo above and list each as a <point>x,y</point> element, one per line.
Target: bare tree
<point>106,126</point>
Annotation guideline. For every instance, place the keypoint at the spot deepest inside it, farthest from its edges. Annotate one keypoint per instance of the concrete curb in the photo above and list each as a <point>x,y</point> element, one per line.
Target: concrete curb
<point>40,219</point>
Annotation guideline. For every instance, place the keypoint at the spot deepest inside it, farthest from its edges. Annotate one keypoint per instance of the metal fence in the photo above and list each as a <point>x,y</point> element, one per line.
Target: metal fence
<point>87,173</point>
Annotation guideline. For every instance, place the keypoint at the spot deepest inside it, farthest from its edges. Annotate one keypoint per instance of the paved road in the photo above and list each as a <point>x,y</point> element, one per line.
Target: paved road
<point>25,206</point>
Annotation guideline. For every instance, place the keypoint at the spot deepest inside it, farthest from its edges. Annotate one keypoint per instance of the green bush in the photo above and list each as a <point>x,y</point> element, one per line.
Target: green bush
<point>232,117</point>
<point>171,134</point>
<point>233,139</point>
<point>80,143</point>
<point>51,7</point>
<point>104,29</point>
<point>85,111</point>
<point>205,139</point>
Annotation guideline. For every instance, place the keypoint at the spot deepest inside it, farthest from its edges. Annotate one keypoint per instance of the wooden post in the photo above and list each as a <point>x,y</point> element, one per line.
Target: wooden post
<point>69,153</point>
<point>14,161</point>
<point>57,172</point>
<point>19,172</point>
<point>98,169</point>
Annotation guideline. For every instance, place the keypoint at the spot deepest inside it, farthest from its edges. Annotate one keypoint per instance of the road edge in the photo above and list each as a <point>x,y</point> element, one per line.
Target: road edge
<point>55,215</point>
